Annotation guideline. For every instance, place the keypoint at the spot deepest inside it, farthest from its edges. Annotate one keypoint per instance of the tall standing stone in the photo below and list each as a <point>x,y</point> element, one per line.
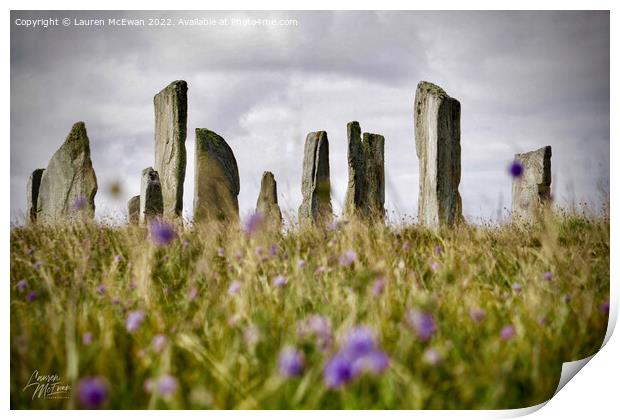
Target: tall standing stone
<point>316,207</point>
<point>532,188</point>
<point>438,146</point>
<point>151,198</point>
<point>216,185</point>
<point>133,210</point>
<point>170,154</point>
<point>366,189</point>
<point>69,184</point>
<point>267,203</point>
<point>32,193</point>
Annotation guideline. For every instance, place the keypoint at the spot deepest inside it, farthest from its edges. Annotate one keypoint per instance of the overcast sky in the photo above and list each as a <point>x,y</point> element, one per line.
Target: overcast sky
<point>524,80</point>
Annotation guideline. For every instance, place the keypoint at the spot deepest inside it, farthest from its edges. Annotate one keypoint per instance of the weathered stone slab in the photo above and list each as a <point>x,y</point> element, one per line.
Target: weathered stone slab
<point>151,198</point>
<point>170,155</point>
<point>133,210</point>
<point>366,189</point>
<point>69,184</point>
<point>216,184</point>
<point>267,203</point>
<point>316,207</point>
<point>438,146</point>
<point>532,188</point>
<point>32,193</point>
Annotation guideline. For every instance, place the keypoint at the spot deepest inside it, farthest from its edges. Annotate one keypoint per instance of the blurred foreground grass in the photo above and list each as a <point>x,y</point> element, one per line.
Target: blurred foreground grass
<point>200,322</point>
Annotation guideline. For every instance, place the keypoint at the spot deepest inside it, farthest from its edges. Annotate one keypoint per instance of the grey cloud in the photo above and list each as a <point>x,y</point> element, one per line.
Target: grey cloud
<point>524,79</point>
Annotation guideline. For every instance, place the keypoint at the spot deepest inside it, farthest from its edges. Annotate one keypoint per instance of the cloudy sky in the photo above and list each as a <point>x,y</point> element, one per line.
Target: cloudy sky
<point>524,80</point>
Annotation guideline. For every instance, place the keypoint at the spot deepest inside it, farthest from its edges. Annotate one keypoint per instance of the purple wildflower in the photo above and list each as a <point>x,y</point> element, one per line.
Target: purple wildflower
<point>279,281</point>
<point>338,371</point>
<point>432,356</point>
<point>360,341</point>
<point>253,223</point>
<point>37,264</point>
<point>117,259</point>
<point>378,286</point>
<point>234,287</point>
<point>79,203</point>
<point>319,327</point>
<point>438,249</point>
<point>87,338</point>
<point>21,285</point>
<point>273,250</point>
<point>347,258</point>
<point>220,252</point>
<point>605,307</point>
<point>301,264</point>
<point>517,287</point>
<point>162,233</point>
<point>516,169</point>
<point>92,392</point>
<point>435,266</point>
<point>192,294</point>
<point>159,343</point>
<point>548,276</point>
<point>134,320</point>
<point>507,333</point>
<point>167,385</point>
<point>422,323</point>
<point>406,246</point>
<point>101,289</point>
<point>477,315</point>
<point>258,251</point>
<point>374,362</point>
<point>320,270</point>
<point>290,362</point>
<point>32,296</point>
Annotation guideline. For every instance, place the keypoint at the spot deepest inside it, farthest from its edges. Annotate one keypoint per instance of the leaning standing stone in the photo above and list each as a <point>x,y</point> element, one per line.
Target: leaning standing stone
<point>532,188</point>
<point>216,185</point>
<point>170,133</point>
<point>316,207</point>
<point>32,193</point>
<point>133,210</point>
<point>366,189</point>
<point>267,203</point>
<point>438,146</point>
<point>68,185</point>
<point>151,199</point>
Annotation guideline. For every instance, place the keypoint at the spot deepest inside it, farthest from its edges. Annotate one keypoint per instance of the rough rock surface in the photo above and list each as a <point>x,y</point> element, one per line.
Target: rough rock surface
<point>69,184</point>
<point>438,146</point>
<point>533,188</point>
<point>267,203</point>
<point>316,207</point>
<point>216,184</point>
<point>133,210</point>
<point>32,193</point>
<point>151,198</point>
<point>170,155</point>
<point>366,189</point>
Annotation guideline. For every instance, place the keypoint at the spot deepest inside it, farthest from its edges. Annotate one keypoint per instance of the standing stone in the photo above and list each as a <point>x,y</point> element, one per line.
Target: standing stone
<point>438,146</point>
<point>366,189</point>
<point>316,207</point>
<point>533,188</point>
<point>32,193</point>
<point>151,199</point>
<point>216,185</point>
<point>133,210</point>
<point>68,185</point>
<point>170,155</point>
<point>267,203</point>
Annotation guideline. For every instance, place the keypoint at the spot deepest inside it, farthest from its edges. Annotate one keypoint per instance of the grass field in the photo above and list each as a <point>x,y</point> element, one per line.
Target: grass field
<point>350,317</point>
